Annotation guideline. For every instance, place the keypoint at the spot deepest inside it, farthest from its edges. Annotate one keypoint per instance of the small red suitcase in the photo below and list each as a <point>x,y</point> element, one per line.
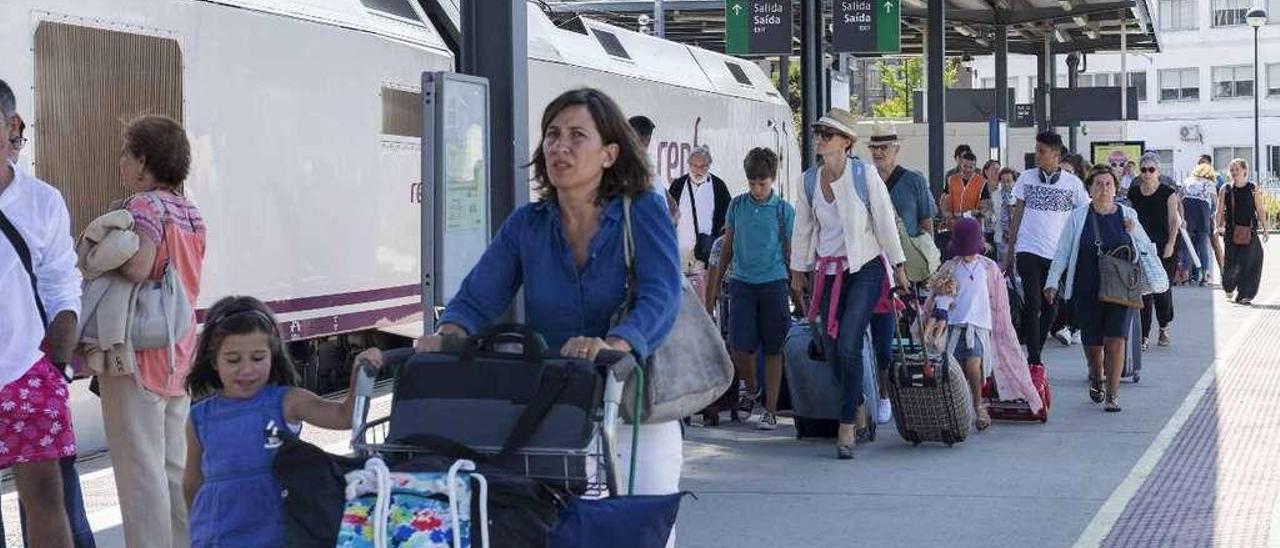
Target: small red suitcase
<point>1019,410</point>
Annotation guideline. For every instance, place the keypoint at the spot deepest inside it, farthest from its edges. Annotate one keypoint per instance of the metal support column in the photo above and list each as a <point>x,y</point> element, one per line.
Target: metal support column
<point>784,77</point>
<point>659,19</point>
<point>1002,72</point>
<point>810,75</point>
<point>936,94</point>
<point>1124,71</point>
<point>1073,76</point>
<point>495,46</point>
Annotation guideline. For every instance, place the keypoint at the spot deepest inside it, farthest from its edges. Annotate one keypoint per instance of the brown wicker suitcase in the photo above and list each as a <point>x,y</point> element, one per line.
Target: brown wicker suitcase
<point>930,397</point>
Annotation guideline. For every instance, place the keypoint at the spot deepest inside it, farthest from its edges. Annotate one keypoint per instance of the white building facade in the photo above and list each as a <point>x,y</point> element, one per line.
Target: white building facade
<point>1196,96</point>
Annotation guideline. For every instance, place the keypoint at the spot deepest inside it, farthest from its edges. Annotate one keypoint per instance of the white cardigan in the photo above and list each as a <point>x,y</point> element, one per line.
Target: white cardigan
<point>864,238</point>
<point>1069,246</point>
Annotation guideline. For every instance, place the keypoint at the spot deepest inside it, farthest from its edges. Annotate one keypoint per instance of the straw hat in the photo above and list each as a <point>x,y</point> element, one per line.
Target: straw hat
<point>840,120</point>
<point>884,134</point>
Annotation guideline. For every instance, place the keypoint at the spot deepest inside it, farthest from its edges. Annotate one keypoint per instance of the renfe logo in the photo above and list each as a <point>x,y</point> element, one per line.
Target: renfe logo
<point>671,160</point>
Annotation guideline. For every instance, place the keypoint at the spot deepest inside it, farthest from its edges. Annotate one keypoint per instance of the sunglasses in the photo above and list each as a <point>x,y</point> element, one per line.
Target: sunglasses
<point>1117,164</point>
<point>18,142</point>
<point>824,133</point>
<point>1150,169</point>
<point>878,147</point>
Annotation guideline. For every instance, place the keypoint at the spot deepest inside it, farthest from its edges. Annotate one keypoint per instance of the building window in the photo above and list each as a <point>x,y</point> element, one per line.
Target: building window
<point>1138,81</point>
<point>1273,162</point>
<point>1233,81</point>
<point>987,83</point>
<point>1230,12</point>
<point>1166,160</point>
<point>1273,80</point>
<point>1180,84</point>
<point>1222,156</point>
<point>1177,14</point>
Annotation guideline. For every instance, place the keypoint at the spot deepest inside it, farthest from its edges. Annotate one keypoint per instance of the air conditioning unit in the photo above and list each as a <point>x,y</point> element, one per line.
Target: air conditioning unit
<point>1191,134</point>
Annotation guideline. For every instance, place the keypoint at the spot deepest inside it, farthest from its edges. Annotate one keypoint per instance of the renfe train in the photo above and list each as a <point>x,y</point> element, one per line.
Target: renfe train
<point>305,118</point>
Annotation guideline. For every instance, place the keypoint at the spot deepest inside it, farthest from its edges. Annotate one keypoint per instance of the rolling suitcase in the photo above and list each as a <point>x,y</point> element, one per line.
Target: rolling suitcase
<point>1019,410</point>
<point>815,388</point>
<point>1133,349</point>
<point>929,394</point>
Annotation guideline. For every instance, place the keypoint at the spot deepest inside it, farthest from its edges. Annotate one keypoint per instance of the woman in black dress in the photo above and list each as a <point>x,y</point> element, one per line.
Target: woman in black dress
<point>1242,223</point>
<point>1157,206</point>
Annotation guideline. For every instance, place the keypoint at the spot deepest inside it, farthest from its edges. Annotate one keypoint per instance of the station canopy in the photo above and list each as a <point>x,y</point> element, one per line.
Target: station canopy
<point>1071,25</point>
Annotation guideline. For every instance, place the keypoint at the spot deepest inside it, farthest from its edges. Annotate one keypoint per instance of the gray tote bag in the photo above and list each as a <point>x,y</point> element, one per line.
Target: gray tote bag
<point>691,369</point>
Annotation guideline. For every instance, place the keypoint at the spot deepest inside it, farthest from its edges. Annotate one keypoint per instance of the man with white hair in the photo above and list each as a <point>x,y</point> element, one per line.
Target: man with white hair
<point>703,201</point>
<point>40,289</point>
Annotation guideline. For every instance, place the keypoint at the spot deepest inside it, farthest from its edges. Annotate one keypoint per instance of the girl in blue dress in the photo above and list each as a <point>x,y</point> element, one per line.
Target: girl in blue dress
<point>246,380</point>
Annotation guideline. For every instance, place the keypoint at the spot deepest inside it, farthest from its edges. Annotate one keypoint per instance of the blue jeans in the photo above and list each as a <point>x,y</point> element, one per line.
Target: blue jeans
<point>882,326</point>
<point>1201,242</point>
<point>73,501</point>
<point>857,304</point>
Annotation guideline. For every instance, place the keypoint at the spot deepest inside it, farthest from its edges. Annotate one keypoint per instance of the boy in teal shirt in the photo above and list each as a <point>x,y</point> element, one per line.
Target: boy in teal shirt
<point>756,247</point>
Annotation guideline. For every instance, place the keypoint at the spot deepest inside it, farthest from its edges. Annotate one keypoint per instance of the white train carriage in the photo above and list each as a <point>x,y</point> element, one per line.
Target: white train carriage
<point>305,123</point>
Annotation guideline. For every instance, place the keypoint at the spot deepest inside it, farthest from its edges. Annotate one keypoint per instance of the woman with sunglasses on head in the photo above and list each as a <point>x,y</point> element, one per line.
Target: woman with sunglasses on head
<point>1157,206</point>
<point>841,234</point>
<point>1242,221</point>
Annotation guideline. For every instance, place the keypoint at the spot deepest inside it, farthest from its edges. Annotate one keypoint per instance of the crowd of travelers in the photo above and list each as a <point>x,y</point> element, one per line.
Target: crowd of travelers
<point>183,407</point>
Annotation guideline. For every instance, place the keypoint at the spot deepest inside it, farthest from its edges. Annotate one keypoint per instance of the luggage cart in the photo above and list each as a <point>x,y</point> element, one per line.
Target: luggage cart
<point>589,472</point>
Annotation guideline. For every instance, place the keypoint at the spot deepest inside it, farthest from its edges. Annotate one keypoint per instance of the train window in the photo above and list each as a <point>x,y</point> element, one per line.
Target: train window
<point>88,83</point>
<point>738,74</point>
<point>398,8</point>
<point>401,113</point>
<point>611,44</point>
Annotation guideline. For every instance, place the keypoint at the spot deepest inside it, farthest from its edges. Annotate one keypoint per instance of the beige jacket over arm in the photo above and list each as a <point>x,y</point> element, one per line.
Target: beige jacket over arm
<point>865,236</point>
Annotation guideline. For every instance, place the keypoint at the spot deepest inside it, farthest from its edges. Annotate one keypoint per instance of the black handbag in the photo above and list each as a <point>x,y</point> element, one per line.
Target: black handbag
<point>479,400</point>
<point>702,242</point>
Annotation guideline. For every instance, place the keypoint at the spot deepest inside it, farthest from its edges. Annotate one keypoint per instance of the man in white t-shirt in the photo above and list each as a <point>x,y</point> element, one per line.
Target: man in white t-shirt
<point>1045,197</point>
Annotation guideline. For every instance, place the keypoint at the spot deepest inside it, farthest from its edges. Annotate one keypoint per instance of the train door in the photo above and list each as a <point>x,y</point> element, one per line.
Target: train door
<point>89,82</point>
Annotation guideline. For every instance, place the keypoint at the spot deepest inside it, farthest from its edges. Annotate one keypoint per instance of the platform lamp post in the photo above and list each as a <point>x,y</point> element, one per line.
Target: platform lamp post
<point>1256,17</point>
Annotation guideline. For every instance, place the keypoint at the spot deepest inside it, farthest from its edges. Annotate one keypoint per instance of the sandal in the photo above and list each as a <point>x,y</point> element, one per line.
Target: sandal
<point>984,419</point>
<point>1112,405</point>
<point>1096,390</point>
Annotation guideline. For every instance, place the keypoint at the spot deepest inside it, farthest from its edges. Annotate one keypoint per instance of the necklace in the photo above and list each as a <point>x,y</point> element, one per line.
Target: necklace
<point>965,265</point>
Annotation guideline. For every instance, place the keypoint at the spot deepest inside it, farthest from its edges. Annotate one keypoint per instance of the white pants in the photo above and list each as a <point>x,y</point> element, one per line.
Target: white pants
<point>660,458</point>
<point>147,440</point>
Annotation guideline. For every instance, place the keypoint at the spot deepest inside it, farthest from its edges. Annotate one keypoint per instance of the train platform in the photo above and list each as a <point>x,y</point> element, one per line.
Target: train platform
<point>1187,463</point>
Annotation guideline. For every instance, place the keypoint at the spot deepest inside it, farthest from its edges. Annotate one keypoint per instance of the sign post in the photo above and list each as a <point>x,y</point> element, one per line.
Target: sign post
<point>866,26</point>
<point>757,27</point>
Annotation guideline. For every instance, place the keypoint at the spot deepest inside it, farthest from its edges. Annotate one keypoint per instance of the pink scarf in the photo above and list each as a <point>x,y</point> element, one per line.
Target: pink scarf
<point>833,298</point>
<point>1010,370</point>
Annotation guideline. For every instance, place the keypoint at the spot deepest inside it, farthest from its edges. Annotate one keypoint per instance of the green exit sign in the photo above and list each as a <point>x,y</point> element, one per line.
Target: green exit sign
<point>866,26</point>
<point>757,27</point>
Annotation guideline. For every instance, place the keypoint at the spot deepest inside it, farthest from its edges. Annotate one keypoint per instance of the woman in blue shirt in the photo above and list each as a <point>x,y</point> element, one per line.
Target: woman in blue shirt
<point>566,251</point>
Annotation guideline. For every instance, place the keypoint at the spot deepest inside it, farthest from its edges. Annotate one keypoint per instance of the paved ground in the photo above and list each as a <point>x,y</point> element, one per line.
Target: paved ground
<point>1188,463</point>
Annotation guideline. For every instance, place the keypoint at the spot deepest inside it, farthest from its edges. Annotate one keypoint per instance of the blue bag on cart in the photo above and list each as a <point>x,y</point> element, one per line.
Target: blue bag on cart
<point>636,521</point>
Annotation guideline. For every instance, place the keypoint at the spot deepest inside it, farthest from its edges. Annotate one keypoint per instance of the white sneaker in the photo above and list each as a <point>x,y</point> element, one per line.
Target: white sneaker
<point>768,421</point>
<point>884,412</point>
<point>1075,337</point>
<point>1063,336</point>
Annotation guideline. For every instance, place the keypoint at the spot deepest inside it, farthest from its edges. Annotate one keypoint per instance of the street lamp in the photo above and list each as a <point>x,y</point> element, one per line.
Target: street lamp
<point>1256,17</point>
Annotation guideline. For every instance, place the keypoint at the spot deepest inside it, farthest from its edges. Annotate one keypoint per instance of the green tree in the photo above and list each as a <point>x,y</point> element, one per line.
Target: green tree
<point>901,80</point>
<point>793,92</point>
